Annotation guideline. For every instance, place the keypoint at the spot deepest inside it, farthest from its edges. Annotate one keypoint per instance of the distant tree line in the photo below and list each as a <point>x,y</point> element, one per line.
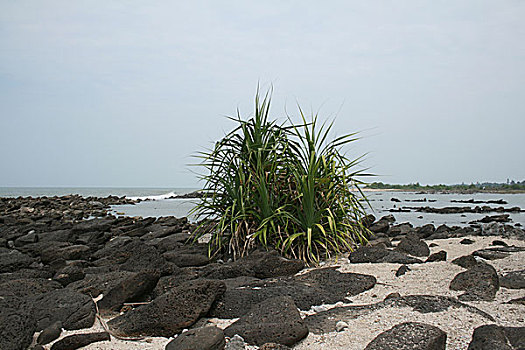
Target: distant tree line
<point>485,186</point>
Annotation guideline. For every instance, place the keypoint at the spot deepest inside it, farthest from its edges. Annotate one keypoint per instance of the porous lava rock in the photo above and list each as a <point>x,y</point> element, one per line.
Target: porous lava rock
<point>275,320</point>
<point>493,337</point>
<point>171,312</point>
<point>206,338</point>
<point>479,282</point>
<point>77,341</point>
<point>410,336</point>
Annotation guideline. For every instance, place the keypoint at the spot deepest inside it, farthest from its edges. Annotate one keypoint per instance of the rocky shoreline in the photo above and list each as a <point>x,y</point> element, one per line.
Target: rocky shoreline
<point>67,282</point>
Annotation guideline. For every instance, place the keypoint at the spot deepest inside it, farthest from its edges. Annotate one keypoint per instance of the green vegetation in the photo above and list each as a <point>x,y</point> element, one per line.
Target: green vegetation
<point>477,187</point>
<point>282,186</point>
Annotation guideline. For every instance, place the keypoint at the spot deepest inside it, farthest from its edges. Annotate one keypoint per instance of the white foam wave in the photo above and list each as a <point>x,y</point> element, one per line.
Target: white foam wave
<point>156,197</point>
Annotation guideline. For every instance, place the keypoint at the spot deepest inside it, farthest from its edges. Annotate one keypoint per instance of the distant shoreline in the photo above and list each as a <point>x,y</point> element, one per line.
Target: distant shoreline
<point>432,191</point>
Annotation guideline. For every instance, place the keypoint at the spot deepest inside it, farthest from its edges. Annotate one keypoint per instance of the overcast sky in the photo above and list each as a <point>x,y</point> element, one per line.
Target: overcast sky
<point>122,93</point>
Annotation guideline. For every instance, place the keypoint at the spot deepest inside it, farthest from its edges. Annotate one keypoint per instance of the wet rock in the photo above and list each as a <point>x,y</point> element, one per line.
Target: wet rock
<point>169,313</point>
<point>207,338</point>
<point>76,341</point>
<point>496,218</point>
<point>275,320</point>
<point>493,337</point>
<point>479,282</point>
<point>413,245</point>
<point>74,310</point>
<point>439,256</point>
<point>410,335</point>
<point>466,261</point>
<point>402,270</point>
<point>133,288</point>
<point>50,333</point>
<point>381,255</point>
<point>12,260</point>
<point>513,280</point>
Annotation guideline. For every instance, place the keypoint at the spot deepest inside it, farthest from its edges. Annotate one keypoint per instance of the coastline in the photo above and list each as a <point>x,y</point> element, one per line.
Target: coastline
<point>144,276</point>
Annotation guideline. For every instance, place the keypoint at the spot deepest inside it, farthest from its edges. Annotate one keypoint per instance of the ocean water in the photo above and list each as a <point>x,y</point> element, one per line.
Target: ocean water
<point>380,202</point>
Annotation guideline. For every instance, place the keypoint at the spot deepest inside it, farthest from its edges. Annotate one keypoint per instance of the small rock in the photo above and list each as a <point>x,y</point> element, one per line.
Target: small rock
<point>513,280</point>
<point>207,338</point>
<point>466,261</point>
<point>500,243</point>
<point>467,241</point>
<point>235,343</point>
<point>50,333</point>
<point>393,296</point>
<point>76,341</point>
<point>439,256</point>
<point>402,270</point>
<point>341,326</point>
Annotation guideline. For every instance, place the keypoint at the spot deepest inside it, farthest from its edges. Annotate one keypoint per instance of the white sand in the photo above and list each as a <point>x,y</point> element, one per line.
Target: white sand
<point>432,278</point>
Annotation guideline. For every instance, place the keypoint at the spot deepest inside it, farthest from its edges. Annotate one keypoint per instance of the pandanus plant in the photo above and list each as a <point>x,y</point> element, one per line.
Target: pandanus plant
<point>281,185</point>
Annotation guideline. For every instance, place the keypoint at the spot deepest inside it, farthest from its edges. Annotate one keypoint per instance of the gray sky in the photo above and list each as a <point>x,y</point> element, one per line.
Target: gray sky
<point>121,93</point>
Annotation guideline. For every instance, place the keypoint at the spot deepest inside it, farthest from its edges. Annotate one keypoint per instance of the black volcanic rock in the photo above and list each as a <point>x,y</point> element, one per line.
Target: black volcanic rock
<point>275,320</point>
<point>479,282</point>
<point>169,313</point>
<point>410,335</point>
<point>379,254</point>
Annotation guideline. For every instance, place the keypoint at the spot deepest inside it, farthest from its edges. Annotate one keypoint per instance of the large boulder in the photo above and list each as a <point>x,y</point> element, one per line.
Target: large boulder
<point>493,337</point>
<point>413,245</point>
<point>275,320</point>
<point>17,324</point>
<point>74,310</point>
<point>479,282</point>
<point>169,313</point>
<point>207,338</point>
<point>133,288</point>
<point>410,336</point>
<point>77,341</point>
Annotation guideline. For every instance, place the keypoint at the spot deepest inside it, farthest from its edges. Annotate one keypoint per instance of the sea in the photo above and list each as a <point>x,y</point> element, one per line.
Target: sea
<point>379,203</point>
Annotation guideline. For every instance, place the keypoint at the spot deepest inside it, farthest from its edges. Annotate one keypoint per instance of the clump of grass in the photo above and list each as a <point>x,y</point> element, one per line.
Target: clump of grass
<point>281,185</point>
